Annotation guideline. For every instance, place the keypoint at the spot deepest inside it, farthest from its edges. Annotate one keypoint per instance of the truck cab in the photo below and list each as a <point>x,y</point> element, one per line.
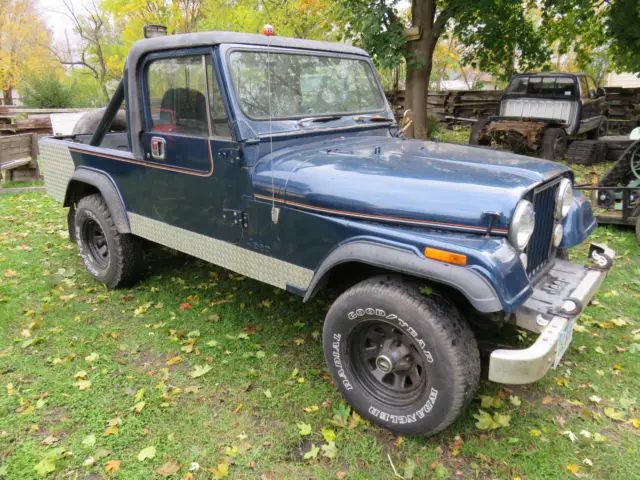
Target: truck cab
<point>280,159</point>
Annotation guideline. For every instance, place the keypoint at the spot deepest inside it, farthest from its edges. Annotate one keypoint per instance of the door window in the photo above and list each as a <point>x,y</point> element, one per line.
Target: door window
<point>584,87</point>
<point>593,91</point>
<point>177,89</point>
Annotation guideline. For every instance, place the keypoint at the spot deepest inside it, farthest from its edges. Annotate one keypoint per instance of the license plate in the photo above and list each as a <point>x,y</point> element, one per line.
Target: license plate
<point>564,340</point>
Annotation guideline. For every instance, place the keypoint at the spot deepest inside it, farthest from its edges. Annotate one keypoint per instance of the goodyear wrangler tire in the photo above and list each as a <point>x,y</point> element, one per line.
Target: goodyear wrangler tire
<point>405,361</point>
<point>110,257</point>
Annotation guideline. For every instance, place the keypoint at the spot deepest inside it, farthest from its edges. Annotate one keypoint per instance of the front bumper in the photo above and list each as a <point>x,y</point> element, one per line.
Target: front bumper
<point>558,299</point>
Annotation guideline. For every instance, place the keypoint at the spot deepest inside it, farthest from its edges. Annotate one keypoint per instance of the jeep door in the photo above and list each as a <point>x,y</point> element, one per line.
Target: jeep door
<point>192,181</point>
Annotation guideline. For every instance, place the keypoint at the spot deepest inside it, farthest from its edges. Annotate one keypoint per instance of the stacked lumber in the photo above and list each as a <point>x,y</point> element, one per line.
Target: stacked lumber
<point>624,108</point>
<point>12,123</point>
<point>454,105</point>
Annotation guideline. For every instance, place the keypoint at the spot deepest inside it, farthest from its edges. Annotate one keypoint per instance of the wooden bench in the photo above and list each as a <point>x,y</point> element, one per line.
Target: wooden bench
<point>19,157</point>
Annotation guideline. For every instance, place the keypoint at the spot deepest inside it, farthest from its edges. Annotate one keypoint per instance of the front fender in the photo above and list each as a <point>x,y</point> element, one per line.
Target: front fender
<point>579,223</point>
<point>493,279</point>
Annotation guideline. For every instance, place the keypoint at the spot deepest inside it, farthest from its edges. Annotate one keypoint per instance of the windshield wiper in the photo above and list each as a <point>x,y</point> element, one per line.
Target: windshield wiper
<point>327,118</point>
<point>372,118</point>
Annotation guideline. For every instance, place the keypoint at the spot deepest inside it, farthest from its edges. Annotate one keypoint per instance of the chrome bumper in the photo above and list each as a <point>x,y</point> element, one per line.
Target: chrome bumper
<point>552,317</point>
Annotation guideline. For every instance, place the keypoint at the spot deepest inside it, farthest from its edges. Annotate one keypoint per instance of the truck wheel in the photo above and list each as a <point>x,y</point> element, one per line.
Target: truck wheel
<point>405,361</point>
<point>89,122</point>
<point>474,136</point>
<point>110,257</point>
<point>554,144</point>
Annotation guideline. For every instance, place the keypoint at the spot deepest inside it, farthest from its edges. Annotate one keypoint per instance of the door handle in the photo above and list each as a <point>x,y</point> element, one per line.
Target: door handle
<point>158,148</point>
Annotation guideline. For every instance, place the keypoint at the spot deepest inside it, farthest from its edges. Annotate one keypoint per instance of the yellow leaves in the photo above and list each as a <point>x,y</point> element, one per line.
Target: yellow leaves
<point>10,273</point>
<point>112,466</point>
<point>635,422</point>
<point>561,381</point>
<point>199,371</point>
<point>312,408</point>
<point>83,384</point>
<point>111,430</point>
<point>138,407</point>
<point>174,360</point>
<point>92,357</point>
<point>221,471</point>
<point>304,429</point>
<point>490,402</point>
<point>147,453</point>
<point>488,422</point>
<point>614,414</point>
<point>548,400</point>
<point>573,468</point>
<point>328,435</point>
<point>142,309</point>
<point>534,432</point>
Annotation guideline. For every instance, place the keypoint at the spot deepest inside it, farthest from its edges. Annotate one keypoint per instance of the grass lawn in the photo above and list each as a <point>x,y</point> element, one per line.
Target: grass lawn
<point>207,374</point>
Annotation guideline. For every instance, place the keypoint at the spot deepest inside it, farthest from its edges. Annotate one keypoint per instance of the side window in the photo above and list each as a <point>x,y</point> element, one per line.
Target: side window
<point>584,87</point>
<point>219,120</point>
<point>177,95</point>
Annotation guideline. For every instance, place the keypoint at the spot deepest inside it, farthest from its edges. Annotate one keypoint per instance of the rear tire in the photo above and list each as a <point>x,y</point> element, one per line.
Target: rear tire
<point>405,361</point>
<point>112,258</point>
<point>554,144</point>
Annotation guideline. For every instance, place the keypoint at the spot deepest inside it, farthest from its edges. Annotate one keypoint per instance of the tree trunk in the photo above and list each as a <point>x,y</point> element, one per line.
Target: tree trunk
<point>8,96</point>
<point>420,53</point>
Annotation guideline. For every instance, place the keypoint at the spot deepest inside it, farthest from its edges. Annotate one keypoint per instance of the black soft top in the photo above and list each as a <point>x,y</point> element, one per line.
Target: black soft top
<point>201,39</point>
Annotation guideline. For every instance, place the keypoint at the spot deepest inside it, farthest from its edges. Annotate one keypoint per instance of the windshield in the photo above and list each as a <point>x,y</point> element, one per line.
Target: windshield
<point>303,85</point>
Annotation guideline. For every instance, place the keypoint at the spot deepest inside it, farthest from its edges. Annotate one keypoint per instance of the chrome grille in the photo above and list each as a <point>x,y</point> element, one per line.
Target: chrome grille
<point>540,248</point>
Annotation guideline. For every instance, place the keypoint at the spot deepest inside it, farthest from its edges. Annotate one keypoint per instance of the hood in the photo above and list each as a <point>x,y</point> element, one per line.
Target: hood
<point>408,181</point>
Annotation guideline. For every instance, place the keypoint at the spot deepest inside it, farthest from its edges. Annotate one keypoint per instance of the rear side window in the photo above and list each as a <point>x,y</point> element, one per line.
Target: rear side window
<point>184,97</point>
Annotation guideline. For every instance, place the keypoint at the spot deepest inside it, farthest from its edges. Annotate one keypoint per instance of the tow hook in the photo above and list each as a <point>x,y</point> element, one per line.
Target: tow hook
<point>600,256</point>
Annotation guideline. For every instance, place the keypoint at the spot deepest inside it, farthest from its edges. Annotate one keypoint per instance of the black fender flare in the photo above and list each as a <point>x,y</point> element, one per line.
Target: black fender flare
<point>107,188</point>
<point>476,288</point>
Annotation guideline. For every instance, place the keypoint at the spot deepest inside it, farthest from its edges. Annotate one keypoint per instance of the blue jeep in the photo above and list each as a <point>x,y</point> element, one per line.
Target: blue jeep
<point>280,159</point>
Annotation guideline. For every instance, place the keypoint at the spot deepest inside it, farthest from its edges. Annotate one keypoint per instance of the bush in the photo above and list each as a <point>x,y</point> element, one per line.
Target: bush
<point>46,92</point>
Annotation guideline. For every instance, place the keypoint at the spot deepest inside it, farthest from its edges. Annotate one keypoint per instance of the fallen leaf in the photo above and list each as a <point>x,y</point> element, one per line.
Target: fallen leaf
<point>185,306</point>
<point>548,400</point>
<point>168,469</point>
<point>10,273</point>
<point>515,400</point>
<point>112,466</point>
<point>614,414</point>
<point>138,407</point>
<point>312,453</point>
<point>329,450</point>
<point>635,422</point>
<point>92,357</point>
<point>573,468</point>
<point>147,453</point>
<point>328,435</point>
<point>50,440</point>
<point>83,384</point>
<point>304,429</point>
<point>221,471</point>
<point>199,370</point>
<point>111,430</point>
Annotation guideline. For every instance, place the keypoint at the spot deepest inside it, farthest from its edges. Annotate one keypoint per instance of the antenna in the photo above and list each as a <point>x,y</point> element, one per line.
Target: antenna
<point>275,211</point>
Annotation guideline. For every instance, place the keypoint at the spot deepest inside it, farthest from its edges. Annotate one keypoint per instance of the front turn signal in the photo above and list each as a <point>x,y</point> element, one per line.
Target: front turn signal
<point>444,256</point>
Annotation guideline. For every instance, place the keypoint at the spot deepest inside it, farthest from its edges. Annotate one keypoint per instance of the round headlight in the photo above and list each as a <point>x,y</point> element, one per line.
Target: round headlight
<point>558,231</point>
<point>564,198</point>
<point>522,225</point>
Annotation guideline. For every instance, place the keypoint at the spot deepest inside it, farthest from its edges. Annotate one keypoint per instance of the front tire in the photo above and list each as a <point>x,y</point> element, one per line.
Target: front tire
<point>554,144</point>
<point>111,257</point>
<point>405,361</point>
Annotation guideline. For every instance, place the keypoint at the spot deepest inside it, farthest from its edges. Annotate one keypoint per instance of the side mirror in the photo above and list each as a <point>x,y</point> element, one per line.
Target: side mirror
<point>601,92</point>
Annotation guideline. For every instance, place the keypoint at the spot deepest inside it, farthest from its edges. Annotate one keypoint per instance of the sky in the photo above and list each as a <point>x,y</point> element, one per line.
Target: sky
<point>57,21</point>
